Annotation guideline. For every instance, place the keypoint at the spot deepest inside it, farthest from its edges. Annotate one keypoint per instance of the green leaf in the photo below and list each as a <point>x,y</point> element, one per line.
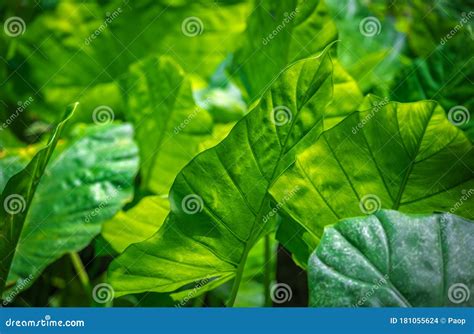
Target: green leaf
<point>394,259</point>
<point>136,224</point>
<point>252,288</point>
<point>446,76</point>
<point>9,166</point>
<point>346,97</point>
<point>427,25</point>
<point>86,184</point>
<point>392,155</point>
<point>169,125</point>
<point>370,47</point>
<point>7,139</point>
<point>90,46</point>
<point>17,197</point>
<point>280,33</point>
<point>218,201</point>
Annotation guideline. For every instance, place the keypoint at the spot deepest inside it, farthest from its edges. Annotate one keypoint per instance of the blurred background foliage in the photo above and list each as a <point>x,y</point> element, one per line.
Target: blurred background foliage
<point>53,63</point>
<point>151,74</point>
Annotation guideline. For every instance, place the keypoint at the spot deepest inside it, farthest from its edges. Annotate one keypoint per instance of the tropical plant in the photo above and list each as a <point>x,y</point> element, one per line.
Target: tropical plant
<point>236,153</point>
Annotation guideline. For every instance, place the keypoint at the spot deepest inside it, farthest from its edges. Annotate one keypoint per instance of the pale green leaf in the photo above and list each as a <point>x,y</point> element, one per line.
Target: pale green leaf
<point>136,224</point>
<point>86,184</point>
<point>394,259</point>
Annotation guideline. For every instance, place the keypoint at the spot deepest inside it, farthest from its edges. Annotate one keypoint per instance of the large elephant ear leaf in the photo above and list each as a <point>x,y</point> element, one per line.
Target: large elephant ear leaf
<point>218,201</point>
<point>280,33</point>
<point>84,185</point>
<point>394,259</point>
<point>17,196</point>
<point>170,127</point>
<point>405,156</point>
<point>137,224</point>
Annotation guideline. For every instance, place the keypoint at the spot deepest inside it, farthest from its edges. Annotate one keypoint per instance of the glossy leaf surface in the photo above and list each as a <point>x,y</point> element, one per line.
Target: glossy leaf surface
<point>84,185</point>
<point>391,155</point>
<point>17,196</point>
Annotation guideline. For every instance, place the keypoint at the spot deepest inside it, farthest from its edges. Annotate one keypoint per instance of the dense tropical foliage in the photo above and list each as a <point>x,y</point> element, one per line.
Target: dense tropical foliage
<point>236,153</point>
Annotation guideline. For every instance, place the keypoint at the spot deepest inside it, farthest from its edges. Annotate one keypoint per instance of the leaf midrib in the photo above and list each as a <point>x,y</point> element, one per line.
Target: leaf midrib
<point>249,243</point>
<point>398,199</point>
